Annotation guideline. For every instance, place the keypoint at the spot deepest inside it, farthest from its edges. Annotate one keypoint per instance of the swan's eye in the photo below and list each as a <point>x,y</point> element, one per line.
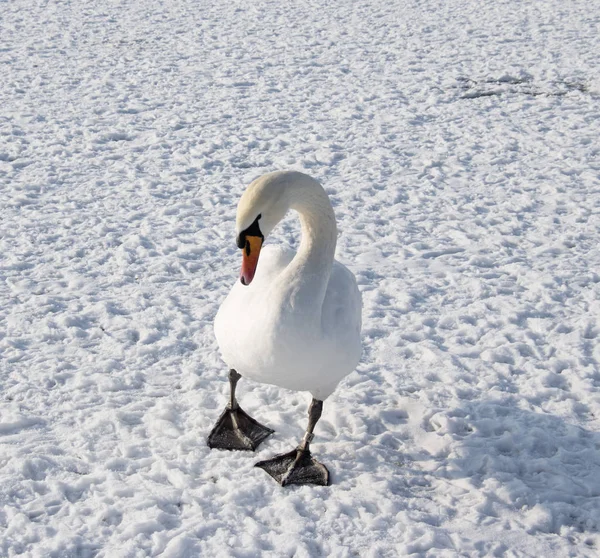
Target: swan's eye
<point>252,230</point>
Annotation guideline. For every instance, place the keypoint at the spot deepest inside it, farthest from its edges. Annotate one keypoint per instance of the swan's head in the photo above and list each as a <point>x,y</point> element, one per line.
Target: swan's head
<point>261,207</point>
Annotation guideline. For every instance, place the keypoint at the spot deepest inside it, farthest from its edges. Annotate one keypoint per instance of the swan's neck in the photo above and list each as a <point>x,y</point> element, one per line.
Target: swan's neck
<point>308,273</point>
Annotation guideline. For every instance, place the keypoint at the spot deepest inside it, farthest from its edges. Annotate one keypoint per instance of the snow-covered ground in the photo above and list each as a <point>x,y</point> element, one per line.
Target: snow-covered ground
<point>459,142</point>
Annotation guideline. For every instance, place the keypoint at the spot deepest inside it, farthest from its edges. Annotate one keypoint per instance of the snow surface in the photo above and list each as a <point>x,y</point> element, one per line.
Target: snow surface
<point>459,142</point>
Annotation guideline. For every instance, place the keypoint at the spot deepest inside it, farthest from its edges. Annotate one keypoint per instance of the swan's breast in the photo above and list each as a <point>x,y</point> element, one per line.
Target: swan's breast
<point>268,338</point>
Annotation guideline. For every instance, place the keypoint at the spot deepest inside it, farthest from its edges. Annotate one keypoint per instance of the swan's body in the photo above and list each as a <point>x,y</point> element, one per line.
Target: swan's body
<point>293,320</point>
<point>297,325</point>
<point>271,333</point>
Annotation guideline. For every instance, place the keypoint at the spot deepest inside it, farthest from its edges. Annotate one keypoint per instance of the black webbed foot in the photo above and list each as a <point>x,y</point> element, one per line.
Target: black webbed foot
<point>236,430</point>
<point>296,467</point>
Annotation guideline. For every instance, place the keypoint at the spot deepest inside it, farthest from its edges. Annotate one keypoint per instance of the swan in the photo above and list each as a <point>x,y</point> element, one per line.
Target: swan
<point>292,320</point>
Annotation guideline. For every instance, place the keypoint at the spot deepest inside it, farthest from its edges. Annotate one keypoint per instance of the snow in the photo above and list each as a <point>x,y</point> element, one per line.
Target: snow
<point>458,142</point>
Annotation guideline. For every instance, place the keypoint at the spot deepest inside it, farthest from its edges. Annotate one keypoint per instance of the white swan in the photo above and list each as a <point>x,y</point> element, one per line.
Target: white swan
<point>293,319</point>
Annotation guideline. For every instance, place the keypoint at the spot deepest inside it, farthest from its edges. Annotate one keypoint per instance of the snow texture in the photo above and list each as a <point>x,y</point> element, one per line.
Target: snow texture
<point>459,143</point>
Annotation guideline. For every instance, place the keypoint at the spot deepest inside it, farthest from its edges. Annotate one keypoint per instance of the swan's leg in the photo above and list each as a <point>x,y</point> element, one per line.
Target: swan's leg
<point>235,429</point>
<point>298,466</point>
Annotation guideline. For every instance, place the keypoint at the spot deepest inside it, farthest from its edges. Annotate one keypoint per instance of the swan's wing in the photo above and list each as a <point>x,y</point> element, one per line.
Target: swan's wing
<point>342,307</point>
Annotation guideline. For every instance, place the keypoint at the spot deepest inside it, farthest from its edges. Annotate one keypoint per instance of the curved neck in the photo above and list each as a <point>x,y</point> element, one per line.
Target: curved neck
<point>314,259</point>
<point>319,231</point>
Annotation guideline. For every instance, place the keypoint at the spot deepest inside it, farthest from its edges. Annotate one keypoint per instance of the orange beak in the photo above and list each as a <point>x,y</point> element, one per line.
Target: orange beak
<point>250,253</point>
